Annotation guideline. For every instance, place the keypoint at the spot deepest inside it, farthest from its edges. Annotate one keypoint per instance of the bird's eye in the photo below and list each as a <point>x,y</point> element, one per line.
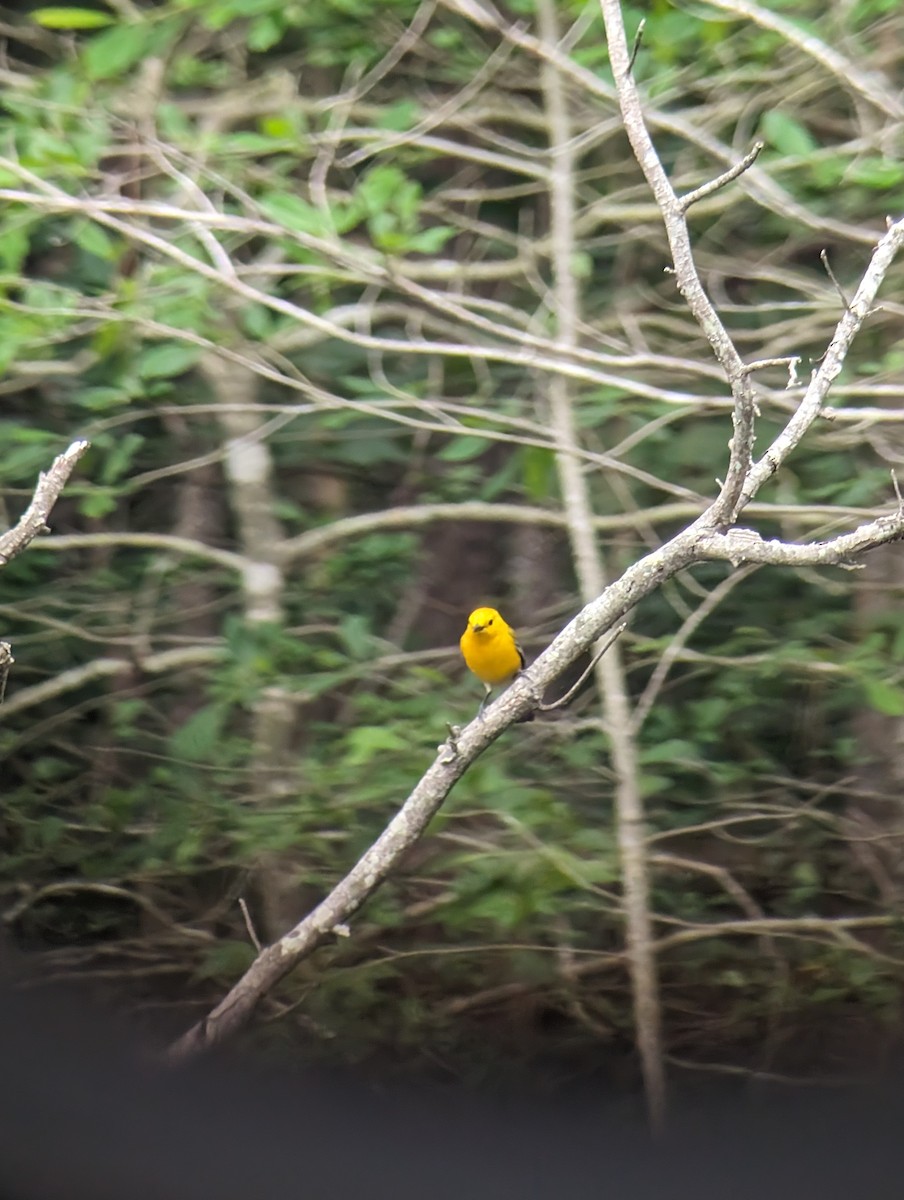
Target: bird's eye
<point>490,622</point>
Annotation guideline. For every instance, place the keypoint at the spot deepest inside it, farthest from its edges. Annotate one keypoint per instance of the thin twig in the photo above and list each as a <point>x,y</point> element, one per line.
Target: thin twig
<point>249,925</point>
<point>635,49</point>
<point>720,181</point>
<point>811,403</point>
<point>757,1075</point>
<point>691,624</point>
<point>790,361</point>
<point>823,255</point>
<point>894,480</point>
<point>563,700</point>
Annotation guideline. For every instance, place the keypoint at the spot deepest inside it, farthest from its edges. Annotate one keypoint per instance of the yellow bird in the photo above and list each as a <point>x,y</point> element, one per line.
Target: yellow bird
<point>491,650</point>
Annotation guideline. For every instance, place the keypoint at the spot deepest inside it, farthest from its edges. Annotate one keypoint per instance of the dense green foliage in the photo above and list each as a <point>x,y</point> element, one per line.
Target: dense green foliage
<point>230,224</point>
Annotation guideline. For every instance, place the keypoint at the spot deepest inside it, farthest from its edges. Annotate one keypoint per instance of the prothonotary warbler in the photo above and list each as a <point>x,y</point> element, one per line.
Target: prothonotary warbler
<point>491,650</point>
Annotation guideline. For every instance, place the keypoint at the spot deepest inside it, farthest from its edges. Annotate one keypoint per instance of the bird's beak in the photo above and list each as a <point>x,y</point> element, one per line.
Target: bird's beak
<point>478,628</point>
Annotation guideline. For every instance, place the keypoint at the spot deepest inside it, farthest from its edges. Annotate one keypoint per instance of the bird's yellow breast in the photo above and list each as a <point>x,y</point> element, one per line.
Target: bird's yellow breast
<point>489,647</point>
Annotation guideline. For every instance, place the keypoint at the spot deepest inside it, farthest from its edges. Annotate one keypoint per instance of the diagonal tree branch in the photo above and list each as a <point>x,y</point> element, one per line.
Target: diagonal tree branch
<point>709,536</point>
<point>699,541</point>
<point>830,366</point>
<point>34,520</point>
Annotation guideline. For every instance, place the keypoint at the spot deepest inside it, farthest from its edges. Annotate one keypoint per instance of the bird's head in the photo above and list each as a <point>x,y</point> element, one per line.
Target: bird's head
<point>482,620</point>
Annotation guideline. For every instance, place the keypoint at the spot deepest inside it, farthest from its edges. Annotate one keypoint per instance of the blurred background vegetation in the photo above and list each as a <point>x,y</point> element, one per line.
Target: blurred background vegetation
<point>286,264</point>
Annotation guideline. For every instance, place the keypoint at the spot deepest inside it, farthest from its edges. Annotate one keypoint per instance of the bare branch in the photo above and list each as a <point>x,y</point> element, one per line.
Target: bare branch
<point>249,925</point>
<point>831,927</point>
<point>832,362</point>
<point>726,177</point>
<point>6,661</point>
<point>824,259</point>
<point>34,520</point>
<point>724,878</point>
<point>106,668</point>
<point>32,896</point>
<point>454,758</point>
<point>331,915</point>
<point>725,507</point>
<point>693,622</point>
<point>746,545</point>
<point>791,361</point>
<point>313,541</point>
<point>167,542</point>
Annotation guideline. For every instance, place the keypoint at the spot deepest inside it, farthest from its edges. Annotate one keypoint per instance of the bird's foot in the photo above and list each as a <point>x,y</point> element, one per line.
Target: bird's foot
<point>448,751</point>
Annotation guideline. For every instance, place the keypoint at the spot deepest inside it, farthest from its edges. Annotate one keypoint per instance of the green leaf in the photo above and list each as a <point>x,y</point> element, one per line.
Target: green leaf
<point>264,32</point>
<point>248,142</point>
<point>37,443</point>
<point>877,172</point>
<point>383,187</point>
<point>258,321</point>
<point>884,697</point>
<point>462,449</point>
<point>581,265</point>
<point>673,750</point>
<point>429,241</point>
<point>14,245</point>
<point>120,457</point>
<point>94,240</point>
<point>654,785</point>
<point>504,908</point>
<point>368,741</point>
<point>294,213</point>
<point>445,39</point>
<point>114,52</point>
<point>827,173</point>
<point>538,472</point>
<point>386,237</point>
<point>103,399</point>
<point>402,115</point>
<point>355,633</point>
<point>167,359</point>
<point>283,126</point>
<point>787,135</point>
<point>897,646</point>
<point>806,875</point>
<point>96,504</point>
<point>49,149</point>
<point>71,18</point>
<point>50,831</point>
<point>199,736</point>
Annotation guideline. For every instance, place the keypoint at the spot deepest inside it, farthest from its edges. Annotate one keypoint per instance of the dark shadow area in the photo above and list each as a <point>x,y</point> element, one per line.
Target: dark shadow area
<point>88,1113</point>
